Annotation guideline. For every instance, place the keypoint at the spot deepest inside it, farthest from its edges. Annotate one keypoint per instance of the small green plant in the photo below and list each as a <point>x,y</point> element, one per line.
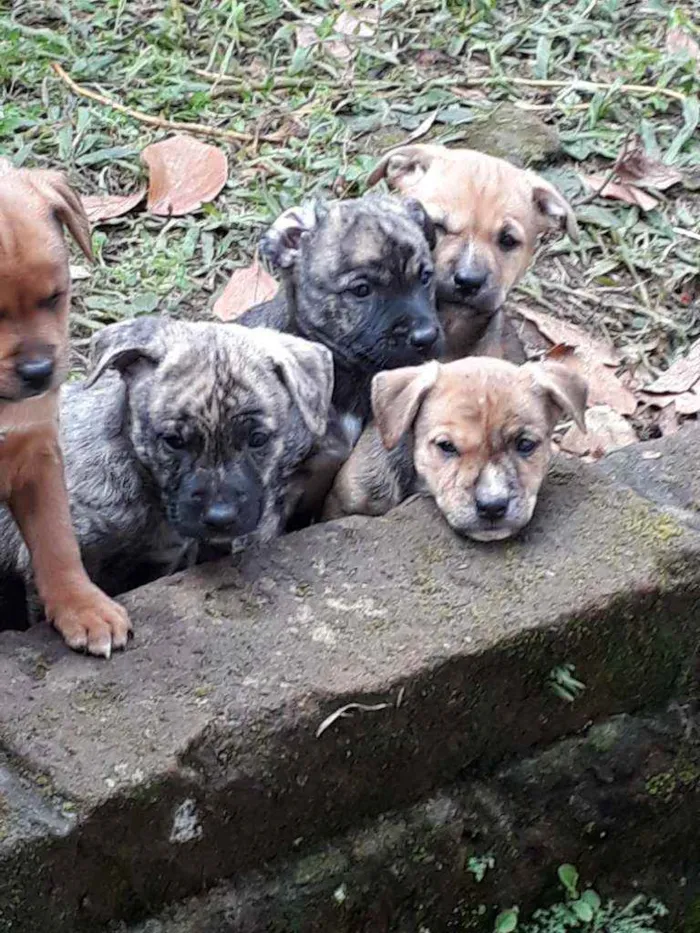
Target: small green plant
<point>563,683</point>
<point>478,865</point>
<point>584,911</point>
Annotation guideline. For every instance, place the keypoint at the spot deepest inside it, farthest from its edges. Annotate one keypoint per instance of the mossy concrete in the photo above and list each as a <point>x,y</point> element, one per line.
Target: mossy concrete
<point>583,800</point>
<point>342,672</point>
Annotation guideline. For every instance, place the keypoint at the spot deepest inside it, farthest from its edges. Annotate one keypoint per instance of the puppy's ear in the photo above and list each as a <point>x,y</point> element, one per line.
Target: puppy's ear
<point>66,206</point>
<point>124,346</point>
<point>306,370</point>
<point>403,167</point>
<point>565,388</point>
<point>418,213</point>
<point>553,206</point>
<point>281,243</point>
<point>397,395</point>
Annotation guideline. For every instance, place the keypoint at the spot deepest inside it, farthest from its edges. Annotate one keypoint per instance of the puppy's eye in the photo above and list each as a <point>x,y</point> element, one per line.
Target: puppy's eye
<point>526,445</point>
<point>447,447</point>
<point>258,438</point>
<point>361,290</point>
<point>174,441</point>
<point>507,241</point>
<point>426,276</point>
<point>51,303</point>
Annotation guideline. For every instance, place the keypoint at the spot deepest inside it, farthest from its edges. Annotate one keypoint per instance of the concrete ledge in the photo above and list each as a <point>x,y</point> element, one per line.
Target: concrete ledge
<point>197,754</point>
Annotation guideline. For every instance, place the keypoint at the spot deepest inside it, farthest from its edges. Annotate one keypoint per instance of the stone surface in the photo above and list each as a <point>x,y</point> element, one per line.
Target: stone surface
<point>217,742</point>
<point>510,133</point>
<point>621,802</point>
<point>665,471</point>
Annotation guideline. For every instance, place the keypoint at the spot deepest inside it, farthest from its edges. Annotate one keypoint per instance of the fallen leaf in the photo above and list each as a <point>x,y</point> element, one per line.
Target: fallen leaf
<point>245,288</point>
<point>680,376</point>
<point>362,24</point>
<point>421,129</point>
<point>108,206</point>
<point>563,332</point>
<point>668,422</point>
<point>183,174</point>
<point>652,455</point>
<point>359,25</point>
<point>656,401</point>
<point>678,40</point>
<point>79,273</point>
<point>688,403</point>
<point>606,430</point>
<point>630,194</point>
<point>604,387</point>
<point>635,167</point>
<point>306,34</point>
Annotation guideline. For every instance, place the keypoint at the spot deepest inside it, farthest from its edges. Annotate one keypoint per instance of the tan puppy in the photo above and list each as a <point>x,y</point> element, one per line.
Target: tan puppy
<point>475,434</point>
<point>34,304</point>
<point>488,216</point>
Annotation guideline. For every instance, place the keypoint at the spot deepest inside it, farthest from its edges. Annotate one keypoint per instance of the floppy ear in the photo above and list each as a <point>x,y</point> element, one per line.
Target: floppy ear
<point>566,389</point>
<point>306,370</point>
<point>65,204</point>
<point>123,346</point>
<point>397,395</point>
<point>419,215</point>
<point>403,167</point>
<point>554,207</point>
<point>281,243</point>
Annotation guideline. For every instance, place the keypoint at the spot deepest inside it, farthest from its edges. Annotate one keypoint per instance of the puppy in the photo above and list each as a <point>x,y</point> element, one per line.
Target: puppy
<point>34,306</point>
<point>474,434</point>
<point>185,434</point>
<point>357,278</point>
<point>488,217</point>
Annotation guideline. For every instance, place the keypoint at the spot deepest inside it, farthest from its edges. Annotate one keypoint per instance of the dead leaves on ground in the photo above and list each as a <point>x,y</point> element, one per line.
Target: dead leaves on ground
<point>351,26</point>
<point>634,172</point>
<point>678,41</point>
<point>183,174</point>
<point>617,402</point>
<point>246,287</point>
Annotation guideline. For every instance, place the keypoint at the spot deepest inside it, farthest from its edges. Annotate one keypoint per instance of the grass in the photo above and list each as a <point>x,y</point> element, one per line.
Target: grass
<point>238,65</point>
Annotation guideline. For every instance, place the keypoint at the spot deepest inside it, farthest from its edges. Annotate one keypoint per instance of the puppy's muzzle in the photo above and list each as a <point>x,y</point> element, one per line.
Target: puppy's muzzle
<point>424,336</point>
<point>212,507</point>
<point>492,508</point>
<point>34,371</point>
<point>470,281</point>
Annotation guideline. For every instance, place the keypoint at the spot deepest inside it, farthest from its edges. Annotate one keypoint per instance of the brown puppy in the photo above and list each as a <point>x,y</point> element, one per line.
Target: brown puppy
<point>488,216</point>
<point>34,304</point>
<point>475,434</point>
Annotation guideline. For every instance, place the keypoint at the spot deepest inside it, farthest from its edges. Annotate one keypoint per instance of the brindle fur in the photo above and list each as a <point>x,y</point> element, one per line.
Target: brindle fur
<point>133,503</point>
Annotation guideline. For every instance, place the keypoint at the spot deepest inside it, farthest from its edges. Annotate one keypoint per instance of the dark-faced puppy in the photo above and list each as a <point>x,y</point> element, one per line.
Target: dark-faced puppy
<point>488,216</point>
<point>358,278</point>
<point>184,434</point>
<point>474,434</point>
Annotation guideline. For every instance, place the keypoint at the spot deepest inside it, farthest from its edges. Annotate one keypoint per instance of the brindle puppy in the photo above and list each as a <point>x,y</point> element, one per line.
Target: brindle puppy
<point>185,434</point>
<point>357,278</point>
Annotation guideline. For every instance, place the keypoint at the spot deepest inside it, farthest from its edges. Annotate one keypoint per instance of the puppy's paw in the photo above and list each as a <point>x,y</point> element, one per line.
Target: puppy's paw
<point>90,621</point>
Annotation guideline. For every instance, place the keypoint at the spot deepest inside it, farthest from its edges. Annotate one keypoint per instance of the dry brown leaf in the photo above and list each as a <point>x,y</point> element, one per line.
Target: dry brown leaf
<point>604,387</point>
<point>680,376</point>
<point>362,23</point>
<point>678,40</point>
<point>668,421</point>
<point>558,331</point>
<point>108,206</point>
<point>183,174</point>
<point>635,167</point>
<point>245,288</point>
<point>306,34</point>
<point>620,192</point>
<point>688,403</point>
<point>656,401</point>
<point>606,430</point>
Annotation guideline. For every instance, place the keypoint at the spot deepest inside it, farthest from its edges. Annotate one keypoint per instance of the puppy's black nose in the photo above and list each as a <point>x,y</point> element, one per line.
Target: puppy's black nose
<point>470,281</point>
<point>221,514</point>
<point>35,372</point>
<point>492,508</point>
<point>424,336</point>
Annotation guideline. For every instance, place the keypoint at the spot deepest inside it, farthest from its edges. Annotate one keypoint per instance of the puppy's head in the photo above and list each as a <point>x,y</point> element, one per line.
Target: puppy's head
<point>488,217</point>
<point>362,277</point>
<point>482,429</point>
<point>219,417</point>
<point>35,279</point>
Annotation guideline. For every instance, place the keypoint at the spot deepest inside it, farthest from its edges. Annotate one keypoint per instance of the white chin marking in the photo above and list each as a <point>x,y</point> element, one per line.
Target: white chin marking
<point>490,534</point>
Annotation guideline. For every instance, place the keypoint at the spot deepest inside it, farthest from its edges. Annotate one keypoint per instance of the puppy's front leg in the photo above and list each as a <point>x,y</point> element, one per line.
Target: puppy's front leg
<point>82,613</point>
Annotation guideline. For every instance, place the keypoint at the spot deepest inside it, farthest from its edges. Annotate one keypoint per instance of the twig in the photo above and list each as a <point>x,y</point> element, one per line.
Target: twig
<point>609,176</point>
<point>344,710</point>
<point>196,128</point>
<point>580,85</point>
